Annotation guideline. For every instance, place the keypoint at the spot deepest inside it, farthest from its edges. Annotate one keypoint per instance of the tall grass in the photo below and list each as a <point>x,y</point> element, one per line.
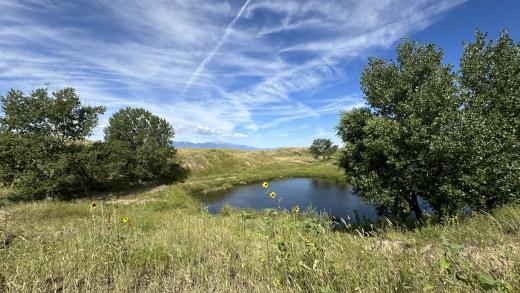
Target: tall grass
<point>52,246</point>
<point>171,244</point>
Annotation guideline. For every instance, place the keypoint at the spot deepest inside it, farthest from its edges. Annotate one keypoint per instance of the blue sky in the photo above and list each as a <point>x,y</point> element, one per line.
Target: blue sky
<point>255,72</point>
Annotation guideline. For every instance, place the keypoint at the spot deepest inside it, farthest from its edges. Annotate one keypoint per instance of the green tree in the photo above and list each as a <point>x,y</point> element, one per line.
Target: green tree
<point>490,86</point>
<point>90,164</point>
<point>141,144</point>
<point>322,147</point>
<point>390,156</point>
<point>36,133</point>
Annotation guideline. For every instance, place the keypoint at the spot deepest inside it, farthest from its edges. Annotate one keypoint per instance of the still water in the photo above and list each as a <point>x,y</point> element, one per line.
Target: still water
<point>334,198</point>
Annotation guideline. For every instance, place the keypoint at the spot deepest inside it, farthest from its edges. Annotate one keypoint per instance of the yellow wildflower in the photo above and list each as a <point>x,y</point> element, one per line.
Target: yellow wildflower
<point>125,219</point>
<point>272,194</point>
<point>93,205</point>
<point>276,282</point>
<point>295,209</point>
<point>265,184</point>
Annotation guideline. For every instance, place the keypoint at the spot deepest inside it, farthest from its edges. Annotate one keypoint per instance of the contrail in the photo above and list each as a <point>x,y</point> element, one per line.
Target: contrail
<point>208,58</point>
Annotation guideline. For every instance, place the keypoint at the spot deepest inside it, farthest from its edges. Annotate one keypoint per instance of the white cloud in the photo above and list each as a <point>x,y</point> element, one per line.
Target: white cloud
<point>227,32</point>
<point>211,68</point>
<point>207,131</point>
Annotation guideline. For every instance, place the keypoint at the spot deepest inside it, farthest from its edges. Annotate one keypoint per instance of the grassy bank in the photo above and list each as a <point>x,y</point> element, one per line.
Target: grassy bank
<point>170,244</point>
<point>215,169</point>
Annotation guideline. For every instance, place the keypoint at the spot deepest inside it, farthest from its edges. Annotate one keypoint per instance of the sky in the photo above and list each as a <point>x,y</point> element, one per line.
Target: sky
<point>253,72</point>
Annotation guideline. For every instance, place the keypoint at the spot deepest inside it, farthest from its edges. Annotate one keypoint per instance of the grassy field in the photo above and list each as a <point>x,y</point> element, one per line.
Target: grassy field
<point>169,242</point>
<point>214,169</point>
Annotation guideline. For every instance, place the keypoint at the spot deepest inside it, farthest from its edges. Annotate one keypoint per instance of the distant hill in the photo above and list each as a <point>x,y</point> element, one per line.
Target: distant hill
<point>219,162</point>
<point>213,145</point>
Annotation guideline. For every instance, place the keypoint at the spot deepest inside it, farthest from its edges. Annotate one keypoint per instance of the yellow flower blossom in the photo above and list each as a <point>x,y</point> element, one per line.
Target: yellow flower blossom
<point>265,184</point>
<point>295,209</point>
<point>272,194</point>
<point>125,219</point>
<point>276,282</point>
<point>93,205</point>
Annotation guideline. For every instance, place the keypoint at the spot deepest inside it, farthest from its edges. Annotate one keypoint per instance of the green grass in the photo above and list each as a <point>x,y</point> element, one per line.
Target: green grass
<point>171,244</point>
<point>216,169</point>
<point>4,195</point>
<point>4,192</point>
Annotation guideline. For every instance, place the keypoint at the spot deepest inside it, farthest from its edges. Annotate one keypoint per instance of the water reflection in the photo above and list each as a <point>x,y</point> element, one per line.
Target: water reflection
<point>334,198</point>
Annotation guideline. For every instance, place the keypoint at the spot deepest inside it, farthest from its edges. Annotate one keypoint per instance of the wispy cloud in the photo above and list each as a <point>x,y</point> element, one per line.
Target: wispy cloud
<point>208,58</point>
<point>276,60</point>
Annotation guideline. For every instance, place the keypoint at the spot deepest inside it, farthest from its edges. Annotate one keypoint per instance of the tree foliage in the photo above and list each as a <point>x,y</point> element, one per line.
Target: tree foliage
<point>490,88</point>
<point>37,134</point>
<point>90,164</point>
<point>140,144</point>
<point>44,152</point>
<point>429,132</point>
<point>322,147</point>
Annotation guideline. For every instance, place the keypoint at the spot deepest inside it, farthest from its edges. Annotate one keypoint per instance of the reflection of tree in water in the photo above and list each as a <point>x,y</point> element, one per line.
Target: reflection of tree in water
<point>318,184</point>
<point>214,196</point>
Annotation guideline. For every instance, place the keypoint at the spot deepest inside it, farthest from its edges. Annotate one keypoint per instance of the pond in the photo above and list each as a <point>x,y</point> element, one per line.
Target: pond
<point>336,199</point>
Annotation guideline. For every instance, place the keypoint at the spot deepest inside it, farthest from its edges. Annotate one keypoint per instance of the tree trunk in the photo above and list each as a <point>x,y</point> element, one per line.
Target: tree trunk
<point>84,185</point>
<point>414,205</point>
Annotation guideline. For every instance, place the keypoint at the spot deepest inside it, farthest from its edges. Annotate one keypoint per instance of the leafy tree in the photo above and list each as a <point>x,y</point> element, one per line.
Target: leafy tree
<point>453,140</point>
<point>36,133</point>
<point>90,164</point>
<point>490,85</point>
<point>390,155</point>
<point>322,147</point>
<point>140,143</point>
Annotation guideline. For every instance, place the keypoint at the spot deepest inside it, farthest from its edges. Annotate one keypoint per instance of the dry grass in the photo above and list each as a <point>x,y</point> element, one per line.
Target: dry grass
<point>207,161</point>
<point>171,244</point>
<point>217,169</point>
<point>55,246</point>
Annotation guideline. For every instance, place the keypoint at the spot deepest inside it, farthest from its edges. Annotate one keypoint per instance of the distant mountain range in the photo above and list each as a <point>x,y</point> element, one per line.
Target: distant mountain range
<point>213,145</point>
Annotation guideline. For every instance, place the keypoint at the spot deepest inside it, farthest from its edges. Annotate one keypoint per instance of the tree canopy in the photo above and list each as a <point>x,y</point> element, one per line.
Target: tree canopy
<point>322,147</point>
<point>44,151</point>
<point>140,143</point>
<point>37,132</point>
<point>428,132</point>
<point>490,90</point>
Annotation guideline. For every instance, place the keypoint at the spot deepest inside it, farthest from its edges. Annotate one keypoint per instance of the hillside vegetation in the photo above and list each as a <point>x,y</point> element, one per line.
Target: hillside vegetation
<point>161,239</point>
<point>212,169</point>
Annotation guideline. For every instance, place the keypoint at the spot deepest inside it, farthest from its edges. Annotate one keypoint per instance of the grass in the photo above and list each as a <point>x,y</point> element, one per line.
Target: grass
<point>214,169</point>
<point>4,195</point>
<point>171,244</point>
